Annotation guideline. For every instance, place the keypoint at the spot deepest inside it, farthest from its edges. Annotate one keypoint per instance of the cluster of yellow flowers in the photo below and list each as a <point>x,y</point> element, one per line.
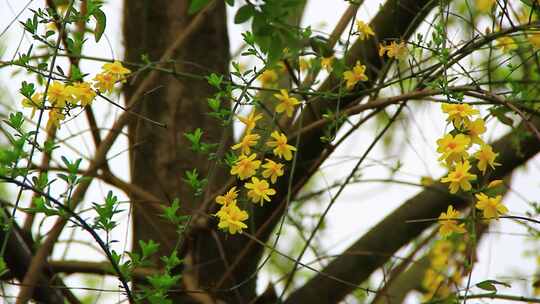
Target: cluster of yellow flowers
<point>454,149</point>
<point>436,281</point>
<point>62,97</point>
<point>394,50</point>
<point>258,189</point>
<point>358,72</point>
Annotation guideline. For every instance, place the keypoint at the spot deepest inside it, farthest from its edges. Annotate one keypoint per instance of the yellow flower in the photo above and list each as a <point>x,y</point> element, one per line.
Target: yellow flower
<point>355,75</point>
<point>272,170</point>
<point>364,30</point>
<point>442,250</point>
<point>494,183</point>
<point>484,6</point>
<point>303,64</point>
<point>506,44</point>
<point>117,70</point>
<point>245,166</point>
<point>475,129</point>
<point>441,253</point>
<point>248,141</point>
<point>491,206</point>
<point>228,198</point>
<point>58,94</point>
<point>394,50</point>
<point>287,103</point>
<point>104,82</point>
<point>36,102</point>
<point>458,113</point>
<point>382,49</point>
<point>432,282</point>
<point>231,218</point>
<point>250,121</point>
<point>82,92</point>
<point>449,224</point>
<point>282,149</point>
<point>534,39</point>
<point>524,15</point>
<point>51,26</point>
<point>460,177</point>
<point>453,148</point>
<point>268,77</point>
<point>259,190</point>
<point>485,157</point>
<point>55,117</point>
<point>326,63</point>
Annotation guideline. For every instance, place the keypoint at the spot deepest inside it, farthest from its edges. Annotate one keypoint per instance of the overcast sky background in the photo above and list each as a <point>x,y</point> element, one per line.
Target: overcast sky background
<point>358,209</point>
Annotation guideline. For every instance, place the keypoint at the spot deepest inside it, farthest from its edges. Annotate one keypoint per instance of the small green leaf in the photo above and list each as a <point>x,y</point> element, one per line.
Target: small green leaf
<point>163,281</point>
<point>148,248</point>
<point>101,23</point>
<point>489,285</point>
<point>244,14</point>
<point>3,267</point>
<point>76,74</point>
<point>16,120</point>
<point>27,89</point>
<point>171,261</point>
<point>500,114</point>
<point>197,5</point>
<point>215,80</point>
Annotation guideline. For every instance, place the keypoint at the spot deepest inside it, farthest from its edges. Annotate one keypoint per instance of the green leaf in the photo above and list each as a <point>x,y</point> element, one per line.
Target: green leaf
<point>27,89</point>
<point>101,23</point>
<point>214,104</point>
<point>195,139</point>
<point>214,80</point>
<point>76,74</point>
<point>197,5</point>
<point>170,212</point>
<point>3,267</point>
<point>171,261</point>
<point>489,285</point>
<point>500,114</point>
<point>149,248</point>
<point>275,51</point>
<point>16,120</point>
<point>244,14</point>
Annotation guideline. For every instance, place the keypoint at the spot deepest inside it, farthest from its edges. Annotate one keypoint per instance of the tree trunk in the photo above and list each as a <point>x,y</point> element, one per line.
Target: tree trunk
<point>159,157</point>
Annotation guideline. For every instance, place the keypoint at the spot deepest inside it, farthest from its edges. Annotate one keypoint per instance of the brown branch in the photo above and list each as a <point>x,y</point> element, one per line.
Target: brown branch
<point>377,103</point>
<point>393,232</point>
<point>102,268</point>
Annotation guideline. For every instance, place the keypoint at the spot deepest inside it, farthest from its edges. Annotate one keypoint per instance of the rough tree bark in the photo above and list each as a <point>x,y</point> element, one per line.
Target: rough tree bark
<point>160,156</point>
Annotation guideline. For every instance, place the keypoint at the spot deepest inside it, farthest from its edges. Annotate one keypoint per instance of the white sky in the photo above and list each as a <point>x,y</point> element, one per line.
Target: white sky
<point>358,209</point>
